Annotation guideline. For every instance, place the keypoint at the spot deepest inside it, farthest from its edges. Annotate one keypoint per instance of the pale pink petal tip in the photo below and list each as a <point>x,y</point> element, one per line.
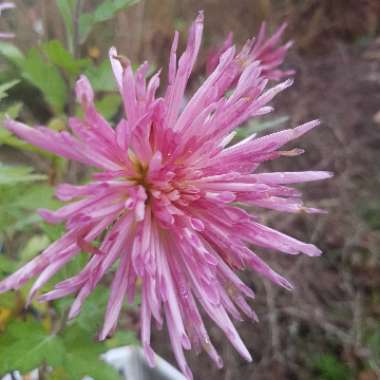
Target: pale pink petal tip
<point>83,89</point>
<point>117,68</point>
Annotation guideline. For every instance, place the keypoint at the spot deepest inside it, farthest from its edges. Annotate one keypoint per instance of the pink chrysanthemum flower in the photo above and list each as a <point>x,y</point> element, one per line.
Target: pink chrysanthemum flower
<point>3,7</point>
<point>262,49</point>
<point>166,200</point>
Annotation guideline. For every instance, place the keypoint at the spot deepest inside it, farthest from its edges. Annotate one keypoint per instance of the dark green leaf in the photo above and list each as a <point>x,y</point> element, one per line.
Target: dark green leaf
<point>17,205</point>
<point>6,86</point>
<point>38,196</point>
<point>108,105</point>
<point>101,77</point>
<point>83,356</point>
<point>122,338</point>
<point>26,345</point>
<point>14,110</point>
<point>91,317</point>
<point>47,78</point>
<point>10,175</point>
<point>330,368</point>
<point>53,231</point>
<point>58,55</point>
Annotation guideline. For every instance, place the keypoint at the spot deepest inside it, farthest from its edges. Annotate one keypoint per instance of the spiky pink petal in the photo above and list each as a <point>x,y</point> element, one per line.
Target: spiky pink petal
<point>165,200</point>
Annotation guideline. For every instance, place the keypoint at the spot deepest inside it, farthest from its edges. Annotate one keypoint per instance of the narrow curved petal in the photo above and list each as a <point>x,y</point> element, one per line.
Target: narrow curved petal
<point>168,204</point>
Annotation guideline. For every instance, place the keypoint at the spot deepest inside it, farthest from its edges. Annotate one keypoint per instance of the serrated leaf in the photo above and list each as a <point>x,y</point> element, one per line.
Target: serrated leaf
<point>18,203</point>
<point>91,316</point>
<point>105,11</point>
<point>83,356</point>
<point>6,86</point>
<point>58,55</point>
<point>10,175</point>
<point>37,197</point>
<point>47,78</point>
<point>25,345</point>
<point>8,213</point>
<point>82,363</point>
<point>11,53</point>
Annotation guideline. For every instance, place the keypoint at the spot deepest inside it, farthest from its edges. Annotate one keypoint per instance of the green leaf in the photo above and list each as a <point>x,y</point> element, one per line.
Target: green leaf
<point>12,53</point>
<point>83,356</point>
<point>26,345</point>
<point>34,245</point>
<point>7,300</point>
<point>331,368</point>
<point>82,363</point>
<point>101,77</point>
<point>122,338</point>
<point>10,175</point>
<point>255,126</point>
<point>91,316</point>
<point>53,231</point>
<point>14,110</point>
<point>58,374</point>
<point>374,343</point>
<point>6,86</point>
<point>6,265</point>
<point>47,78</point>
<point>8,138</point>
<point>58,55</point>
<point>18,203</point>
<point>37,197</point>
<point>108,105</point>
<point>105,11</point>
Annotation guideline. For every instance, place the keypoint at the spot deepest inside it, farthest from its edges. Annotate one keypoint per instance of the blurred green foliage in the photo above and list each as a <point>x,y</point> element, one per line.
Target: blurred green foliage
<point>329,367</point>
<point>37,85</point>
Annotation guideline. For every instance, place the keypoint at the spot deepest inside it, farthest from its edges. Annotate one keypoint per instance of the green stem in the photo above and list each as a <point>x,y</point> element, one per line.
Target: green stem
<point>76,36</point>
